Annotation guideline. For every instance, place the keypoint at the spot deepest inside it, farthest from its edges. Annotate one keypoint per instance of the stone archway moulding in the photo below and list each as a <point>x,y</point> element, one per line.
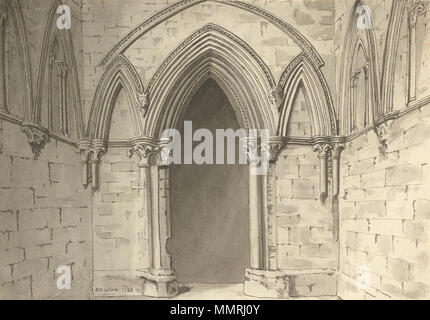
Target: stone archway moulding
<point>14,10</point>
<point>36,136</point>
<point>211,52</point>
<point>180,6</point>
<point>120,74</point>
<point>369,44</point>
<point>390,54</point>
<point>65,39</point>
<point>321,111</point>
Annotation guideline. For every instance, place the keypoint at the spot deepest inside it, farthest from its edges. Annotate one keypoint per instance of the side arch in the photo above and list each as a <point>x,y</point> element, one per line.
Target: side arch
<point>120,74</point>
<point>212,52</point>
<point>14,9</point>
<point>302,74</point>
<point>354,36</point>
<point>390,54</point>
<point>66,42</point>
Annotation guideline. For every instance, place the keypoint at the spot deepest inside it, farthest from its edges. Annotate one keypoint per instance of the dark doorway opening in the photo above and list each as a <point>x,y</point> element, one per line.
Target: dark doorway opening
<point>209,203</point>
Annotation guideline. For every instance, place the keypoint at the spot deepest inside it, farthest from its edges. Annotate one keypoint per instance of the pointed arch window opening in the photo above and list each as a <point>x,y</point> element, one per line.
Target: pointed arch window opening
<point>57,91</point>
<point>360,104</point>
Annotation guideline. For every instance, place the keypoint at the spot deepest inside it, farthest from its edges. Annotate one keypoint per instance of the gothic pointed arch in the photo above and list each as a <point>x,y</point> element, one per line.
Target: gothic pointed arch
<point>119,75</point>
<point>180,6</point>
<point>211,52</point>
<point>62,58</point>
<point>358,39</point>
<point>302,75</point>
<point>398,9</point>
<point>13,12</point>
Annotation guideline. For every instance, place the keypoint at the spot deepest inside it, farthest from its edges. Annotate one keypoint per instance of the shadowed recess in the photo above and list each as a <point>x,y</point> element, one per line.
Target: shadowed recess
<point>209,204</point>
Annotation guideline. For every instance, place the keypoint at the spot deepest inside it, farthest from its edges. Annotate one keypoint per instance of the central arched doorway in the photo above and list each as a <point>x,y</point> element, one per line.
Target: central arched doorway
<point>209,203</point>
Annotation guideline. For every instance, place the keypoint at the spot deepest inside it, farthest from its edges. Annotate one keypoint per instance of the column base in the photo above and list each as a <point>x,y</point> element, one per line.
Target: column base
<point>159,284</point>
<point>150,283</point>
<point>266,284</point>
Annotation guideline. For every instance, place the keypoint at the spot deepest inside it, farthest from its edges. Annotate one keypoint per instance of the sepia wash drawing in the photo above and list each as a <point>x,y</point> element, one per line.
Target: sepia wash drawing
<point>90,209</point>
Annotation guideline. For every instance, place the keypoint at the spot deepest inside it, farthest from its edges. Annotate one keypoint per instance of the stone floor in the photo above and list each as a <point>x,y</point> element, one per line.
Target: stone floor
<point>200,291</point>
<point>214,292</point>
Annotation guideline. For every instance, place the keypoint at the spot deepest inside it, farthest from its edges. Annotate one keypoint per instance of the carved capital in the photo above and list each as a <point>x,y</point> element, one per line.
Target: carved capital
<point>144,148</point>
<point>37,137</point>
<point>257,149</point>
<point>413,12</point>
<point>337,150</point>
<point>323,150</point>
<point>90,153</point>
<point>164,152</point>
<point>85,149</point>
<point>383,132</point>
<point>273,148</point>
<point>98,146</point>
<point>251,148</point>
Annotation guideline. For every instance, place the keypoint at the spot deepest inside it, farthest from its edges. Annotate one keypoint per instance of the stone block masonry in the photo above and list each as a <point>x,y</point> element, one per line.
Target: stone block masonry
<point>45,217</point>
<point>384,249</point>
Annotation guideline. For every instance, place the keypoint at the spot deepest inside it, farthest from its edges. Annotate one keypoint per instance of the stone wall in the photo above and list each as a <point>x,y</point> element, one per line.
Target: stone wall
<point>116,225</point>
<point>306,247</point>
<point>384,206</point>
<point>45,217</point>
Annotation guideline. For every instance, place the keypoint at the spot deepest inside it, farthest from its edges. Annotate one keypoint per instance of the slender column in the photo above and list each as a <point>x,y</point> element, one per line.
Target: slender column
<point>62,94</point>
<point>413,13</point>
<point>254,218</point>
<point>164,215</point>
<point>269,186</point>
<point>337,150</point>
<point>255,204</point>
<point>51,65</point>
<point>144,149</point>
<point>368,118</point>
<point>98,148</point>
<point>263,279</point>
<point>156,237</point>
<point>160,173</point>
<point>59,66</point>
<point>353,112</point>
<point>3,102</point>
<point>262,202</point>
<point>323,150</point>
<point>65,111</point>
<point>85,149</point>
